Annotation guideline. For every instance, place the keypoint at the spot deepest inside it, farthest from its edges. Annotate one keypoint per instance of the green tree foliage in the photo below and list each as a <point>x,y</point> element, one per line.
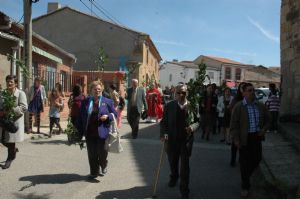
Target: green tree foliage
<point>101,59</point>
<point>195,86</point>
<point>8,104</point>
<point>24,70</point>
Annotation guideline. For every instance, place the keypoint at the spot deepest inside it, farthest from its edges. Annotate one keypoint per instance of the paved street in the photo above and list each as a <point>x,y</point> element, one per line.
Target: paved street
<point>48,168</point>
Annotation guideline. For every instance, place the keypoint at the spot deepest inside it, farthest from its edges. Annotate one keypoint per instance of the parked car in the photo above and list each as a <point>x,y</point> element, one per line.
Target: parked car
<point>262,94</point>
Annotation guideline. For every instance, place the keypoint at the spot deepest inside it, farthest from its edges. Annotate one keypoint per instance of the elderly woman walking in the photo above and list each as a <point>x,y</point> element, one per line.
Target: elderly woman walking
<point>8,138</point>
<point>96,114</point>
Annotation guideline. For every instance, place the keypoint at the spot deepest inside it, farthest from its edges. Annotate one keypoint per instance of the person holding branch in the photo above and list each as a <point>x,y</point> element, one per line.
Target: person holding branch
<point>177,133</point>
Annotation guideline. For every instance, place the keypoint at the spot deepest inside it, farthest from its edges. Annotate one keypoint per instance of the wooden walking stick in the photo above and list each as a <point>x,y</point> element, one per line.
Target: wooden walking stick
<point>161,160</point>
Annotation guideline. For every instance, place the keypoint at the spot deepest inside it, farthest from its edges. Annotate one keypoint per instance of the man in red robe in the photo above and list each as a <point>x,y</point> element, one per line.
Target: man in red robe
<point>154,102</point>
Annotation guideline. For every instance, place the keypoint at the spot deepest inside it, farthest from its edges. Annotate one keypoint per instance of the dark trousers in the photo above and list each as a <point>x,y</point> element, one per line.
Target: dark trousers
<point>54,120</point>
<point>233,153</point>
<point>96,153</point>
<point>250,156</point>
<point>11,147</point>
<point>133,117</point>
<point>274,119</point>
<point>182,152</point>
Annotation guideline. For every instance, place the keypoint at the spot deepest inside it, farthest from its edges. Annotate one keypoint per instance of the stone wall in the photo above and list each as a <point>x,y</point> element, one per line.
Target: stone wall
<point>290,57</point>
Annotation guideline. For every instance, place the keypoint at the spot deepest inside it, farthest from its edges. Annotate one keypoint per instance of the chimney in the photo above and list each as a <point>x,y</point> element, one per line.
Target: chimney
<point>53,6</point>
<point>5,22</point>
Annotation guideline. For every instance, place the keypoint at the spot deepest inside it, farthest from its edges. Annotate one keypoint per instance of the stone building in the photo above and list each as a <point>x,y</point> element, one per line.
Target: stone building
<point>83,34</point>
<point>290,57</point>
<point>261,76</point>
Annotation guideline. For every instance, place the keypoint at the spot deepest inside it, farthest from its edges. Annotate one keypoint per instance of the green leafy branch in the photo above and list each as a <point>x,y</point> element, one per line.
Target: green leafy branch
<point>194,88</point>
<point>8,104</point>
<point>23,69</point>
<point>101,59</point>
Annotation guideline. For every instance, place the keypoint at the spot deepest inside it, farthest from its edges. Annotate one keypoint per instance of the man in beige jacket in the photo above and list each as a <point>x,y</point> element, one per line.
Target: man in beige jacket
<point>249,122</point>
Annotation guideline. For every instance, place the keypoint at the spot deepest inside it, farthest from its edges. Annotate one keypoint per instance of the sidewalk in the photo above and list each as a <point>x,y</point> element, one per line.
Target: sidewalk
<point>282,162</point>
<point>44,129</point>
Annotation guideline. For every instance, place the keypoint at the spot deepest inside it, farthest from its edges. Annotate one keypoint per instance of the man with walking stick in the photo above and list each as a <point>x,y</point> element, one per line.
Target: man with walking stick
<point>178,136</point>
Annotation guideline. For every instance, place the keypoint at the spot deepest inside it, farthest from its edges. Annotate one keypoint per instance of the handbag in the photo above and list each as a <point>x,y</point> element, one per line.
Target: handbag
<point>144,115</point>
<point>113,142</point>
<point>8,125</point>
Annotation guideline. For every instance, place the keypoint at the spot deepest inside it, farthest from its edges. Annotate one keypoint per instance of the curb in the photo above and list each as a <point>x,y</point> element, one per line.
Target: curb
<point>282,188</point>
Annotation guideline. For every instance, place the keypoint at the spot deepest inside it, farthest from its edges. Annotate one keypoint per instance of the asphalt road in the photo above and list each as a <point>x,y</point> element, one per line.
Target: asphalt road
<point>49,168</point>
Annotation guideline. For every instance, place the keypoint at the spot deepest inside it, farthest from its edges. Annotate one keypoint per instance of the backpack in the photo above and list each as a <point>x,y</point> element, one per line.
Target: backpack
<point>121,104</point>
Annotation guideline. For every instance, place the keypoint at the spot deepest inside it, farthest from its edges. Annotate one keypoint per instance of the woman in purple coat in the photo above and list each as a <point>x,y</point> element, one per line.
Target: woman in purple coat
<point>96,114</point>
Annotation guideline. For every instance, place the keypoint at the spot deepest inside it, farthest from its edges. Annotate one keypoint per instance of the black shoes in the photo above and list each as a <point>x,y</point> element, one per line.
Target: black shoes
<point>185,197</point>
<point>7,164</point>
<point>172,182</point>
<point>10,158</point>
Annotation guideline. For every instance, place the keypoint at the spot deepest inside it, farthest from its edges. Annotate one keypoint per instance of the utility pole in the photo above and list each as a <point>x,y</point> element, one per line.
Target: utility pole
<point>27,53</point>
<point>28,41</point>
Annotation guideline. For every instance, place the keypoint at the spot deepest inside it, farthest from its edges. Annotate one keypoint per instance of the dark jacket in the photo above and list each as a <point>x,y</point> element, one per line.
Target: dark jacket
<point>204,101</point>
<point>239,123</point>
<point>168,122</point>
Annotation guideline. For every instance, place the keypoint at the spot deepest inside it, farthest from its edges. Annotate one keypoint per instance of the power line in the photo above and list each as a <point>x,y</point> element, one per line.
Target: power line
<point>18,22</point>
<point>108,13</point>
<point>89,8</point>
<point>96,6</point>
<point>132,35</point>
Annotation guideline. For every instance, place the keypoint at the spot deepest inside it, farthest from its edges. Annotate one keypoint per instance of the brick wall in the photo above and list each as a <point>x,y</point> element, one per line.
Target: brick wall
<point>84,78</point>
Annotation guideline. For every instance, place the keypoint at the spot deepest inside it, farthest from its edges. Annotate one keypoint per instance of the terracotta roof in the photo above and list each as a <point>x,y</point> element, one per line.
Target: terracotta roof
<point>189,64</point>
<point>223,60</point>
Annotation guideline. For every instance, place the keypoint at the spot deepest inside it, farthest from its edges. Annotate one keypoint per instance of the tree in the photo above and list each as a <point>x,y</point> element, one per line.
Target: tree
<point>101,60</point>
<point>194,97</point>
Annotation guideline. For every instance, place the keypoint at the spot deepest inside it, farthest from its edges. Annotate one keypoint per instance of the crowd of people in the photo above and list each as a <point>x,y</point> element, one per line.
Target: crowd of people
<point>240,119</point>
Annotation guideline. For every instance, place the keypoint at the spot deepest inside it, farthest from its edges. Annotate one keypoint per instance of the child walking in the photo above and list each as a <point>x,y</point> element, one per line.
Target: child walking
<point>56,104</point>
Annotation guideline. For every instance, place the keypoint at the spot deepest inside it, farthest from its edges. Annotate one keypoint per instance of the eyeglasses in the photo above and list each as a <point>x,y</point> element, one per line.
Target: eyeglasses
<point>250,90</point>
<point>181,93</point>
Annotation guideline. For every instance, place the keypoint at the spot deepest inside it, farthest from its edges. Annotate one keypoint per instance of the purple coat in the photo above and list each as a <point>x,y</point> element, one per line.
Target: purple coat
<point>106,108</point>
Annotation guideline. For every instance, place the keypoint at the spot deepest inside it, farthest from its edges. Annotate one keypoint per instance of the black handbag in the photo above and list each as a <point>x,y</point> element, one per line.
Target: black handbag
<point>144,115</point>
<point>8,125</point>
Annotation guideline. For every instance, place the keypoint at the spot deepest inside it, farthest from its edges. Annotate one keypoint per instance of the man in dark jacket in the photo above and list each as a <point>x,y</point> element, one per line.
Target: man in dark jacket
<point>249,123</point>
<point>177,134</point>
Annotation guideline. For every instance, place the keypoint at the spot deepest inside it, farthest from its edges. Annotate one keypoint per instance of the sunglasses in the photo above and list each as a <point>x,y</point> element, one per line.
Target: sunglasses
<point>181,93</point>
<point>250,90</point>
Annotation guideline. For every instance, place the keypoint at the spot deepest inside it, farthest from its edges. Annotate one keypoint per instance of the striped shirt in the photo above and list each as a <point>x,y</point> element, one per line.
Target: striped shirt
<point>273,103</point>
<point>253,115</point>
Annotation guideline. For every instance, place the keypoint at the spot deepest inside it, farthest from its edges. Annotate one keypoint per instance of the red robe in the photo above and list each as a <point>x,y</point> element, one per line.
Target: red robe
<point>154,101</point>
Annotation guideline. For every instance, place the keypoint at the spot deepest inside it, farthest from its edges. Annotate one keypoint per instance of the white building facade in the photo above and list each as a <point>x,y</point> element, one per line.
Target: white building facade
<point>173,72</point>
